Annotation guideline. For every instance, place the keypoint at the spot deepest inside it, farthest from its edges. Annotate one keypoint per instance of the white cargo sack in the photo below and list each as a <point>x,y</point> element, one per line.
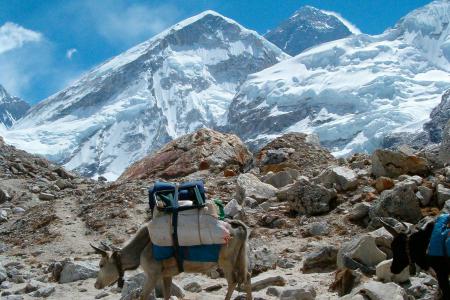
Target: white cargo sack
<point>195,227</point>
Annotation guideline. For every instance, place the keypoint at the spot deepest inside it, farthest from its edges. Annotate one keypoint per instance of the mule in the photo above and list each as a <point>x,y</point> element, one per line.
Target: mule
<point>410,248</point>
<point>138,252</point>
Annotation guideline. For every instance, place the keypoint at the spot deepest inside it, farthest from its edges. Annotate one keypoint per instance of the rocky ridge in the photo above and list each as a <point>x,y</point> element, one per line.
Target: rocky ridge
<point>313,224</point>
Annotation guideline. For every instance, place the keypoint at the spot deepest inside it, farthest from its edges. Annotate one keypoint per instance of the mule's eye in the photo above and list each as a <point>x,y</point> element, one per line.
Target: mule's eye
<point>101,265</point>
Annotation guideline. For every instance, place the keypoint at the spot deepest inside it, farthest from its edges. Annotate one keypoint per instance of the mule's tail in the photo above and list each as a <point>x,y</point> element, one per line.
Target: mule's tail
<point>241,272</point>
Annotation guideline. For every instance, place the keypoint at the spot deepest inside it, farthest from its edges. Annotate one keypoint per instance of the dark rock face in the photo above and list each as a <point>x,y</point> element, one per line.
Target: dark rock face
<point>439,117</point>
<point>306,28</point>
<point>11,108</point>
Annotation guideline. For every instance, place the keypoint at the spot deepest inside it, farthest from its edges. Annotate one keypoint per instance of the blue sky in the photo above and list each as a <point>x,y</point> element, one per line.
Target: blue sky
<point>45,45</point>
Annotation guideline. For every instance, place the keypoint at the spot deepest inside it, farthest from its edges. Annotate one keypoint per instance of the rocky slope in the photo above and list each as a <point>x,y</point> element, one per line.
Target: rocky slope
<point>308,27</point>
<point>352,92</point>
<point>313,236</point>
<point>439,117</point>
<point>178,81</point>
<point>11,108</point>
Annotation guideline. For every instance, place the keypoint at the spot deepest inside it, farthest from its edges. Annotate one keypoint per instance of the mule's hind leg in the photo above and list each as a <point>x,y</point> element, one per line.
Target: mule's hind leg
<point>442,277</point>
<point>248,286</point>
<point>167,285</point>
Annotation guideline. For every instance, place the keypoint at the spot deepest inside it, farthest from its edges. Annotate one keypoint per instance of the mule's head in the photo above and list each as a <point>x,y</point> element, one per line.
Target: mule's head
<point>109,272</point>
<point>399,247</point>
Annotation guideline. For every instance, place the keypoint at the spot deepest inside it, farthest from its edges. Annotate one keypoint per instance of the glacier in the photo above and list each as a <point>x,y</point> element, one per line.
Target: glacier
<point>181,79</point>
<point>352,92</point>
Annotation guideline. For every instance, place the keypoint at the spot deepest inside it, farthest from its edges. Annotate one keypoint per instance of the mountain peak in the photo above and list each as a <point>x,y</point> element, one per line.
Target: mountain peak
<point>308,27</point>
<point>11,108</point>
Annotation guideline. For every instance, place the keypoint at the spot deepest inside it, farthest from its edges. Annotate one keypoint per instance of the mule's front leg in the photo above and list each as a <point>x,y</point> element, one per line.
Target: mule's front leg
<point>167,285</point>
<point>248,286</point>
<point>149,288</point>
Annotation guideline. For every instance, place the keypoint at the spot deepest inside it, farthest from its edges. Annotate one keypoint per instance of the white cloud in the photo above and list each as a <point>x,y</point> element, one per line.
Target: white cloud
<point>353,29</point>
<point>119,22</point>
<point>71,52</point>
<point>14,36</point>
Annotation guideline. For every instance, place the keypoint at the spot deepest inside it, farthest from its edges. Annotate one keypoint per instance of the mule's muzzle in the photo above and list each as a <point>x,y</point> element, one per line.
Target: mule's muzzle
<point>98,286</point>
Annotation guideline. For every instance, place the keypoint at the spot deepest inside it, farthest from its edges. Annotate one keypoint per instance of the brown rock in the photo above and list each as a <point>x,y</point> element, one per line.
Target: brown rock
<point>395,163</point>
<point>229,173</point>
<point>383,183</point>
<point>204,149</point>
<point>294,151</point>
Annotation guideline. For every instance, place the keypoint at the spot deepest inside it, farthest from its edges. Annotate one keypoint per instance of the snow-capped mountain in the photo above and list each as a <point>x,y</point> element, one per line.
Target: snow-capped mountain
<point>182,79</point>
<point>11,108</point>
<point>355,91</point>
<point>309,27</point>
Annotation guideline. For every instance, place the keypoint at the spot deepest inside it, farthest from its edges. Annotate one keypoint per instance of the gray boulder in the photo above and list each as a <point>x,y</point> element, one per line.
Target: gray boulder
<point>343,178</point>
<point>320,260</point>
<point>133,285</point>
<point>442,194</point>
<point>395,163</point>
<point>423,287</point>
<point>282,178</point>
<point>359,211</point>
<point>424,194</point>
<point>248,185</point>
<point>4,196</point>
<point>262,259</point>
<point>308,198</point>
<point>77,270</point>
<point>299,292</point>
<point>44,292</point>
<point>232,208</point>
<point>444,151</point>
<point>362,249</point>
<point>3,274</point>
<point>400,203</point>
<point>374,290</point>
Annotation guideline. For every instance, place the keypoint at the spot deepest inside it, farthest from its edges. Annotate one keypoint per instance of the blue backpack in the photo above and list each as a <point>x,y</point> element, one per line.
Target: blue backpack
<point>165,195</point>
<point>439,241</point>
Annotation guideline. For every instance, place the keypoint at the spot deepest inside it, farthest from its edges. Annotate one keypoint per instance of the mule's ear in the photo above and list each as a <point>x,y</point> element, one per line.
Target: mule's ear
<point>98,250</point>
<point>389,228</point>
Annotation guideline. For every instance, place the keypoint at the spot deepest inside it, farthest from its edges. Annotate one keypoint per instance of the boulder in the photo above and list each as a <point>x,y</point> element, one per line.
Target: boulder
<point>43,292</point>
<point>264,280</point>
<point>262,259</point>
<point>374,290</point>
<point>299,292</point>
<point>384,274</point>
<point>308,198</point>
<point>4,196</point>
<point>203,150</point>
<point>282,178</point>
<point>3,216</point>
<point>3,274</point>
<point>77,270</point>
<point>317,229</point>
<point>323,259</point>
<point>248,185</point>
<point>46,196</point>
<point>424,194</point>
<point>384,183</point>
<point>359,212</point>
<point>444,151</point>
<point>400,203</point>
<point>133,285</point>
<point>294,151</point>
<point>343,178</point>
<point>232,208</point>
<point>362,249</point>
<point>395,163</point>
<point>423,286</point>
<point>442,194</point>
